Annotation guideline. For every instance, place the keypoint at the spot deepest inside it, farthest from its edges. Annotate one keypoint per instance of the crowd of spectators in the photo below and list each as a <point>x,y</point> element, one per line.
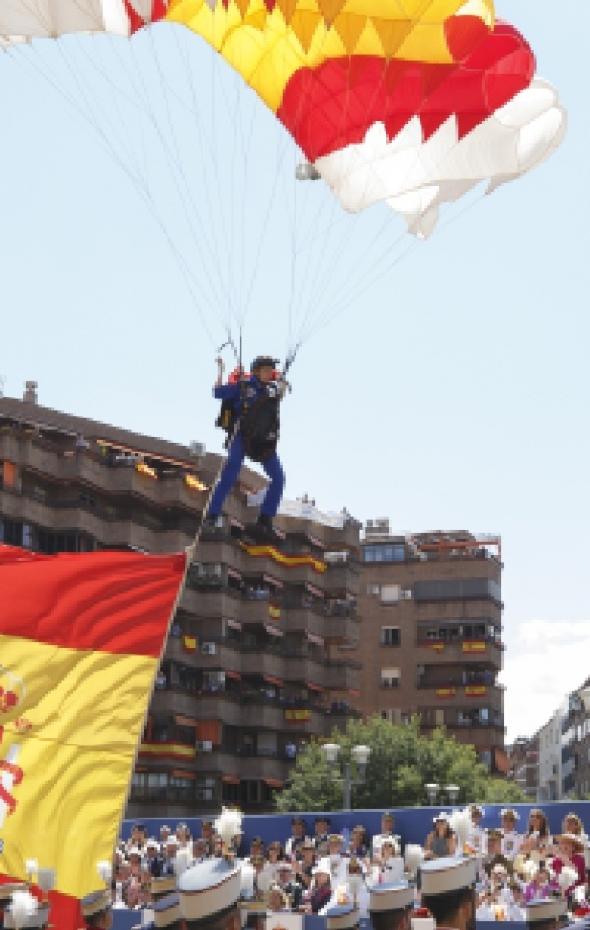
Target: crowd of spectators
<point>302,872</point>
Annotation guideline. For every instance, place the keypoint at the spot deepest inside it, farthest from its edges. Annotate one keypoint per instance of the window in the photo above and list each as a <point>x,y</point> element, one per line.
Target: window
<point>390,593</point>
<point>384,552</point>
<point>390,677</point>
<point>28,541</point>
<point>446,590</point>
<point>390,636</point>
<point>374,590</point>
<point>393,714</point>
<point>205,789</point>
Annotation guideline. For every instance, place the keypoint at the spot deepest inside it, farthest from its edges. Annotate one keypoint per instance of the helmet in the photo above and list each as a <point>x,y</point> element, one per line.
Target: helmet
<point>263,361</point>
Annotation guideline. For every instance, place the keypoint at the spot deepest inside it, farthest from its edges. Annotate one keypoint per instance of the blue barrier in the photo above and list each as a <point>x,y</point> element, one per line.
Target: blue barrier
<point>125,920</point>
<point>412,823</point>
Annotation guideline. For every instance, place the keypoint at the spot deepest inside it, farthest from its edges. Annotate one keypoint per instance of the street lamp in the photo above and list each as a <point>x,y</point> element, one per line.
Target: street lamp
<point>452,792</point>
<point>353,773</point>
<point>432,789</point>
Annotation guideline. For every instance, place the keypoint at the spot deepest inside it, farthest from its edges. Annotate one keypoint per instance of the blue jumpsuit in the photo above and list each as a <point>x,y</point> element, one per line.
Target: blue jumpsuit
<point>231,470</point>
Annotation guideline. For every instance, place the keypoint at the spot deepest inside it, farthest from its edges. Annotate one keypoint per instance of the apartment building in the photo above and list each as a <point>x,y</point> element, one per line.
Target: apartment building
<point>253,667</point>
<point>431,633</point>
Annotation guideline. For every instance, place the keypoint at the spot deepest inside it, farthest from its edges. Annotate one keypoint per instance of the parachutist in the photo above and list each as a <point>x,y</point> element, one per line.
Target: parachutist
<point>250,416</point>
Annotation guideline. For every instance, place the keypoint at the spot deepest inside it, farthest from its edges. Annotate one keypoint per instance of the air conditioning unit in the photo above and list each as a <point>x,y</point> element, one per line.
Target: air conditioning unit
<point>205,745</point>
<point>197,449</point>
<point>406,594</point>
<point>209,649</point>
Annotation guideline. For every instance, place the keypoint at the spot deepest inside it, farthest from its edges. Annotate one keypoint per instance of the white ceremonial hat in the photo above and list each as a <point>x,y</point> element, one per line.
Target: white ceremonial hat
<point>95,902</point>
<point>167,910</point>
<point>40,918</point>
<point>163,884</point>
<point>545,909</point>
<point>342,916</point>
<point>390,897</point>
<point>208,888</point>
<point>447,874</point>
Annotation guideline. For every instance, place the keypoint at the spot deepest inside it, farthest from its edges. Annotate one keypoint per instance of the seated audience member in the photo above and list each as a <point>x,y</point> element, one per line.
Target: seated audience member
<point>570,854</point>
<point>540,885</point>
<point>321,827</point>
<point>207,833</point>
<point>386,834</point>
<point>476,835</point>
<point>321,890</point>
<point>169,857</point>
<point>153,859</point>
<point>537,842</point>
<point>388,868</point>
<point>573,824</point>
<point>441,842</point>
<point>199,850</point>
<point>297,838</point>
<point>287,883</point>
<point>511,838</point>
<point>183,835</point>
<point>358,845</point>
<point>277,900</point>
<point>305,866</point>
<point>335,862</point>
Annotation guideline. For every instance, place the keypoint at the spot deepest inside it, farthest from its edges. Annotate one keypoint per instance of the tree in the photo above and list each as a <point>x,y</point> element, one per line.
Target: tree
<point>402,761</point>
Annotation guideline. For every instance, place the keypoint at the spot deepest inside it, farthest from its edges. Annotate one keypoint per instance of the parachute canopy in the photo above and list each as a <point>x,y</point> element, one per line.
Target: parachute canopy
<point>408,102</point>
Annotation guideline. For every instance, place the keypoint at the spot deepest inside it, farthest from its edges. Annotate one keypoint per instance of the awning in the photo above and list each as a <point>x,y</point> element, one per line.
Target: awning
<point>233,624</point>
<point>181,773</point>
<point>312,638</point>
<point>272,630</point>
<point>273,782</point>
<point>313,687</point>
<point>271,580</point>
<point>229,673</point>
<point>183,721</point>
<point>273,680</point>
<point>230,780</point>
<point>311,589</point>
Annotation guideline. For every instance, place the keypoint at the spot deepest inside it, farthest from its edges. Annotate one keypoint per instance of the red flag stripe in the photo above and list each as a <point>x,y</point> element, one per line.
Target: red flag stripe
<point>90,601</point>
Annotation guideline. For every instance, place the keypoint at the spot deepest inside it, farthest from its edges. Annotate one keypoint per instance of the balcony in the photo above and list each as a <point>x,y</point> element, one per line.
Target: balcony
<point>342,676</point>
<point>244,767</point>
<point>216,602</point>
<point>226,656</point>
<point>263,663</point>
<point>452,695</point>
<point>460,652</point>
<point>342,577</point>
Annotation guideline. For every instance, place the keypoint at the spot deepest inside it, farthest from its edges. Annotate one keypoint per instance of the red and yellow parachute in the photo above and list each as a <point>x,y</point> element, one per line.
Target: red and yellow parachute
<point>410,102</point>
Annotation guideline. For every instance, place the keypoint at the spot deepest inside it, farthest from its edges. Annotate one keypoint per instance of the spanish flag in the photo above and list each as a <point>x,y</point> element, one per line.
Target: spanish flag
<point>81,637</point>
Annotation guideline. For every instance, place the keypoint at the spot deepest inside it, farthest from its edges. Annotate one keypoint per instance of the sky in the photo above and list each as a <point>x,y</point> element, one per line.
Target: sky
<point>148,199</point>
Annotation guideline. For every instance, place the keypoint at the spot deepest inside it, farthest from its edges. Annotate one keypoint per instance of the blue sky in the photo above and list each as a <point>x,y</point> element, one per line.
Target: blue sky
<point>451,393</point>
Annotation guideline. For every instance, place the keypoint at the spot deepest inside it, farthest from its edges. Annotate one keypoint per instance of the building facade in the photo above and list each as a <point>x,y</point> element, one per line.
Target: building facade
<point>524,765</point>
<point>431,634</point>
<point>253,667</point>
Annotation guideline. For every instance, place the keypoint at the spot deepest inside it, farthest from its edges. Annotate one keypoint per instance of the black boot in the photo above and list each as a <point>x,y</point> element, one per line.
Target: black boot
<point>265,531</point>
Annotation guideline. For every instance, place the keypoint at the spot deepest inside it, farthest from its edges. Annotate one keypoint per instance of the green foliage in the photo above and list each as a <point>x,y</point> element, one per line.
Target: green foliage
<point>402,761</point>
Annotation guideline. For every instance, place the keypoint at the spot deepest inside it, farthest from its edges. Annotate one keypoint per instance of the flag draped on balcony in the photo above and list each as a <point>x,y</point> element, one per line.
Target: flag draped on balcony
<point>81,637</point>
